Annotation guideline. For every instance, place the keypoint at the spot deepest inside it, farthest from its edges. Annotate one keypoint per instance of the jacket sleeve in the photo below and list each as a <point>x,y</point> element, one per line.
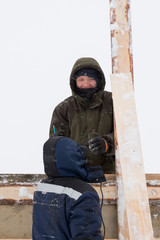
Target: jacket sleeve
<point>59,121</point>
<point>85,218</point>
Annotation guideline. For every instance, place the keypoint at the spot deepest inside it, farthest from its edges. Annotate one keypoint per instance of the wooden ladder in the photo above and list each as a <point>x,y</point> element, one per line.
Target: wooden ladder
<point>134,218</point>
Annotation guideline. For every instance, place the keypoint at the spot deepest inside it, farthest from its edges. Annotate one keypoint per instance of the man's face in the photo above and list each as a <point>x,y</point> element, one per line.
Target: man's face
<point>85,82</point>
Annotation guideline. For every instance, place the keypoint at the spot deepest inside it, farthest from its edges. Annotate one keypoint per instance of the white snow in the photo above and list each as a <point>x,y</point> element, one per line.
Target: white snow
<point>23,192</point>
<point>113,4</point>
<point>121,202</point>
<point>153,182</point>
<point>154,193</point>
<point>114,26</point>
<point>4,180</point>
<point>155,215</point>
<point>115,47</point>
<point>1,197</point>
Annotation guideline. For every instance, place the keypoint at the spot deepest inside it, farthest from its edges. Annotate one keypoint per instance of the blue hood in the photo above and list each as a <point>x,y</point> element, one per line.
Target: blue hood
<point>68,160</point>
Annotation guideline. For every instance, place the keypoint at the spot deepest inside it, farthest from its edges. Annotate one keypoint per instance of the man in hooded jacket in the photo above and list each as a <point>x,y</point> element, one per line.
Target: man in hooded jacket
<point>87,115</point>
<point>65,206</point>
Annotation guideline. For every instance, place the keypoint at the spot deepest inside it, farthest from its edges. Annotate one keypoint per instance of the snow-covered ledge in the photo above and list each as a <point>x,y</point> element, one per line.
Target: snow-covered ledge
<point>16,198</point>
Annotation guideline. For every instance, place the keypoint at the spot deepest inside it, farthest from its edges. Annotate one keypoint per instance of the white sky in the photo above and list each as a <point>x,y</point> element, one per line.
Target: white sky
<point>39,43</point>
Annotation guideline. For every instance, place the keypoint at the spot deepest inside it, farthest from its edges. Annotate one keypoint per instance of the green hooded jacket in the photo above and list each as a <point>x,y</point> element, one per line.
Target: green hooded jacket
<point>82,119</point>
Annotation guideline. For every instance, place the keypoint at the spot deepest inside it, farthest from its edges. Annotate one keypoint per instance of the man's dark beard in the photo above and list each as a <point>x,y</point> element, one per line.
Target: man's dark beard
<point>86,92</point>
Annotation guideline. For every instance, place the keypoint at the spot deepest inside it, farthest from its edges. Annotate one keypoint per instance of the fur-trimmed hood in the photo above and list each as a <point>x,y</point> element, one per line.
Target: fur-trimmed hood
<point>86,62</point>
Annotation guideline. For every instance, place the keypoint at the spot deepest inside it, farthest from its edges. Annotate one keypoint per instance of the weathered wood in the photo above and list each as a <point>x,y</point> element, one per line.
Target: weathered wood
<point>131,162</point>
<point>121,40</point>
<point>122,61</point>
<point>16,199</point>
<point>22,192</point>
<point>23,195</point>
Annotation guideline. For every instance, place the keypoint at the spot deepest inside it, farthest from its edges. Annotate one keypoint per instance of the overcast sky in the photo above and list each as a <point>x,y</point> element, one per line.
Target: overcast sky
<point>39,43</point>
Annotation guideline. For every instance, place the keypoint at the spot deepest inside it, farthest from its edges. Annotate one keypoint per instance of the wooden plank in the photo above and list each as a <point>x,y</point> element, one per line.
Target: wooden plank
<point>130,159</point>
<point>122,61</point>
<point>16,192</point>
<point>121,40</point>
<point>123,229</point>
<point>21,193</point>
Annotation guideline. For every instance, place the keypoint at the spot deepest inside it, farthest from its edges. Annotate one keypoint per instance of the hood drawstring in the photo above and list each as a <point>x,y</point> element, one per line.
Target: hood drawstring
<point>104,229</point>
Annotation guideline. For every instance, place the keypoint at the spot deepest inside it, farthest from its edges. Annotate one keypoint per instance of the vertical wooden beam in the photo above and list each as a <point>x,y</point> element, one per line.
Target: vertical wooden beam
<point>122,62</point>
<point>121,39</point>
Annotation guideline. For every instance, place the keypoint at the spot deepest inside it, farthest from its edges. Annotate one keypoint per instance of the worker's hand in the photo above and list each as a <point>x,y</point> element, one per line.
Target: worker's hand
<point>85,150</point>
<point>98,145</point>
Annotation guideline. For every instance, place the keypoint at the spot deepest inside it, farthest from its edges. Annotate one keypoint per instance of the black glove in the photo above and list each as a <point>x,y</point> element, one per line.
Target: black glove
<point>98,145</point>
<point>84,149</point>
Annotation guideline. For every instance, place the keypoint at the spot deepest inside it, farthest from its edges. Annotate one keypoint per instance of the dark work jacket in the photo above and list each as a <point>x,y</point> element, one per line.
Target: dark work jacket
<point>65,206</point>
<point>82,119</point>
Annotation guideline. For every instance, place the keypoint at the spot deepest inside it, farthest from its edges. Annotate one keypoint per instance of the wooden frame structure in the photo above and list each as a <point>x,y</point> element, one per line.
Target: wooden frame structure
<point>134,219</point>
<point>133,207</point>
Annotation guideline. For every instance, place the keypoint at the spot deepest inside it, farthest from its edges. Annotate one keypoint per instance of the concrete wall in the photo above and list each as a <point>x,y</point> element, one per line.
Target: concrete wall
<point>16,194</point>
